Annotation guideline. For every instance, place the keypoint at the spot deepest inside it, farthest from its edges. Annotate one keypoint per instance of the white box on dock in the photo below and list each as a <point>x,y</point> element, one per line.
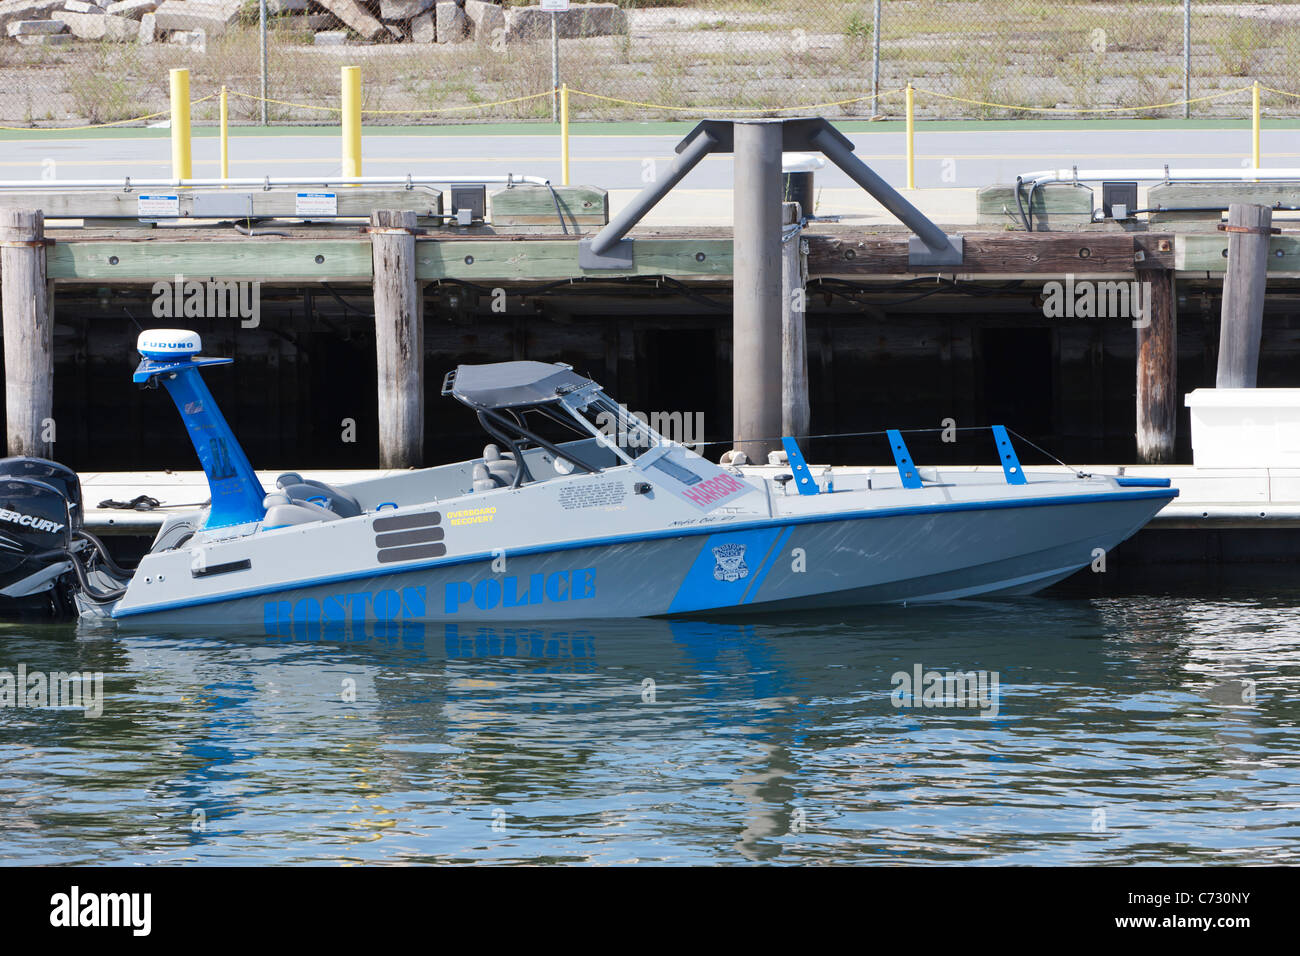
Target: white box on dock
<point>1245,427</point>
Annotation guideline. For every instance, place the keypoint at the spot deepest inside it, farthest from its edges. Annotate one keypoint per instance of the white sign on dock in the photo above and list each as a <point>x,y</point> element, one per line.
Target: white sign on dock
<point>158,207</point>
<point>308,205</point>
<point>555,6</point>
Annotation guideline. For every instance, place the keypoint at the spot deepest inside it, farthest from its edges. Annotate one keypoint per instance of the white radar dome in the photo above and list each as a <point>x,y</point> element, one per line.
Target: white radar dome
<point>168,343</point>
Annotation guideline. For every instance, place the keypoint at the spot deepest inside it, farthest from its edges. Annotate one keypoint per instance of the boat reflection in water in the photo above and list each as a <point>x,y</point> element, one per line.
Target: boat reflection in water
<point>1128,729</point>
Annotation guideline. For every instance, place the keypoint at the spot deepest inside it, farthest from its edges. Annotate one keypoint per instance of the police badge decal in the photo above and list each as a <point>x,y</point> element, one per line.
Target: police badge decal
<point>731,564</point>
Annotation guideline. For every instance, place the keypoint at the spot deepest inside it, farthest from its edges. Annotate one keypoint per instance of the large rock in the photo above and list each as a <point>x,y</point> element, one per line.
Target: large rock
<point>422,28</point>
<point>210,16</point>
<point>355,16</point>
<point>80,6</point>
<point>581,20</point>
<point>148,28</point>
<point>34,28</point>
<point>101,26</point>
<point>402,10</point>
<point>485,19</point>
<point>451,24</point>
<point>196,40</point>
<point>131,9</point>
<point>304,21</point>
<point>11,10</point>
<point>47,39</point>
<point>276,7</point>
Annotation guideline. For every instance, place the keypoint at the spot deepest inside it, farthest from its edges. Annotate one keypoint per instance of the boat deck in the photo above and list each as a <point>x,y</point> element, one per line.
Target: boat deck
<point>1226,498</point>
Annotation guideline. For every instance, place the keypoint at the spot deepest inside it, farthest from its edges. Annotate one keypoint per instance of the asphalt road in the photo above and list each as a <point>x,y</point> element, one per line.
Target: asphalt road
<point>964,159</point>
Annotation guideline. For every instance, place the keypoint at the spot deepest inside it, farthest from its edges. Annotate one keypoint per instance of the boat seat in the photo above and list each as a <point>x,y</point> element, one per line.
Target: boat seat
<point>282,511</point>
<point>302,490</point>
<point>502,466</point>
<point>485,480</point>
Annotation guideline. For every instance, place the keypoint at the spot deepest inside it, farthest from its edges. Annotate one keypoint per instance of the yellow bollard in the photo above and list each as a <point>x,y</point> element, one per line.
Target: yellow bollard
<point>1254,121</point>
<point>182,165</point>
<point>225,136</point>
<point>351,78</point>
<point>564,134</point>
<point>911,131</point>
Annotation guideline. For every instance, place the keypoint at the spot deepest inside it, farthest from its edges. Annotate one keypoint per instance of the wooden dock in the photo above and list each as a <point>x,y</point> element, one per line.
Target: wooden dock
<point>900,336</point>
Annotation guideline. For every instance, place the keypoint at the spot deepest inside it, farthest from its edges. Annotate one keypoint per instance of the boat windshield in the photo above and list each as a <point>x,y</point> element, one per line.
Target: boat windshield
<point>611,423</point>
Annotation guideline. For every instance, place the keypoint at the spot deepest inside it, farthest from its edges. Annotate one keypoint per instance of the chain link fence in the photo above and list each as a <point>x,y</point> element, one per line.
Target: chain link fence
<point>472,61</point>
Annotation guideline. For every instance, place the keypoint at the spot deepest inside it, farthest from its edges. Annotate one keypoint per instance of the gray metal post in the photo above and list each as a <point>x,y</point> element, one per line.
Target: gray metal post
<point>1187,59</point>
<point>261,26</point>
<point>756,320</point>
<point>935,240</point>
<point>644,201</point>
<point>875,60</point>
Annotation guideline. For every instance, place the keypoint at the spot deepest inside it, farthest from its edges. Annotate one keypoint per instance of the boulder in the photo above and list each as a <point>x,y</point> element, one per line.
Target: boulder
<point>34,28</point>
<point>148,28</point>
<point>355,16</point>
<point>196,40</point>
<point>131,9</point>
<point>210,16</point>
<point>304,21</point>
<point>581,20</point>
<point>277,7</point>
<point>101,26</point>
<point>331,38</point>
<point>46,39</point>
<point>402,10</point>
<point>450,23</point>
<point>11,10</point>
<point>485,19</point>
<point>78,6</point>
<point>422,28</point>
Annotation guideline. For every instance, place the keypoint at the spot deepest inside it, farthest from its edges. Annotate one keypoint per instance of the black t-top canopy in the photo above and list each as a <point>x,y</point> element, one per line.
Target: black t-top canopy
<point>511,384</point>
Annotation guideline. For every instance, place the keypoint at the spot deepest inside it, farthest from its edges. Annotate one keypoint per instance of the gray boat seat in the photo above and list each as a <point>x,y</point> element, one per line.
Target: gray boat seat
<point>282,511</point>
<point>302,490</point>
<point>502,466</point>
<point>485,480</point>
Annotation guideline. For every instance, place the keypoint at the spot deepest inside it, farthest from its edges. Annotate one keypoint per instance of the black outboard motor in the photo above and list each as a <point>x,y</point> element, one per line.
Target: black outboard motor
<point>40,517</point>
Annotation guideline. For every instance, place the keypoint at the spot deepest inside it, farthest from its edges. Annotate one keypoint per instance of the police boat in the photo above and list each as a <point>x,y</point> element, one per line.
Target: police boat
<point>576,509</point>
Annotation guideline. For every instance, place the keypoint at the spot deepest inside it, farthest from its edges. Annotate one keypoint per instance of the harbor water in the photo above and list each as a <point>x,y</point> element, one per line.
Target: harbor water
<point>1154,724</point>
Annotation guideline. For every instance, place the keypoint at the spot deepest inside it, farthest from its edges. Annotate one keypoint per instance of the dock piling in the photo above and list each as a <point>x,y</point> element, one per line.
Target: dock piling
<point>794,334</point>
<point>28,332</point>
<point>1157,373</point>
<point>399,339</point>
<point>1249,228</point>
<point>757,302</point>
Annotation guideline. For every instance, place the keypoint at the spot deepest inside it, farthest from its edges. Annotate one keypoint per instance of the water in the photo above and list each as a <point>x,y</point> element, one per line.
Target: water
<point>1124,734</point>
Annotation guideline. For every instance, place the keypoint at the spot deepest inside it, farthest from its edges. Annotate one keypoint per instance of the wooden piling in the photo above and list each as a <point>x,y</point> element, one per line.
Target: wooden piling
<point>1157,371</point>
<point>28,332</point>
<point>795,413</point>
<point>1243,295</point>
<point>399,339</point>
